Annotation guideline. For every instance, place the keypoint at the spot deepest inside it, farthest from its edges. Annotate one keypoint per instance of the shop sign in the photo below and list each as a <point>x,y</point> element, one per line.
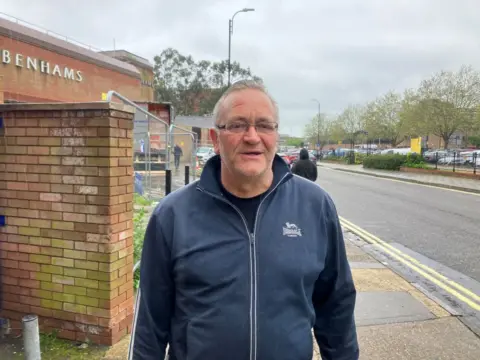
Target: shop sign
<point>45,67</point>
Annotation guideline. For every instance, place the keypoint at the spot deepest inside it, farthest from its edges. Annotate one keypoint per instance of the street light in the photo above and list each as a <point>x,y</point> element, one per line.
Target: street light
<point>230,33</point>
<point>318,125</point>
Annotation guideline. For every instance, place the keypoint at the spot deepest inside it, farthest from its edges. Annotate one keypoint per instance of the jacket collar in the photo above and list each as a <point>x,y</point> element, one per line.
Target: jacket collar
<point>209,180</point>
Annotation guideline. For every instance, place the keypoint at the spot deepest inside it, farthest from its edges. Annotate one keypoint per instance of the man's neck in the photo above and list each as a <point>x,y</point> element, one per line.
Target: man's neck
<point>246,187</point>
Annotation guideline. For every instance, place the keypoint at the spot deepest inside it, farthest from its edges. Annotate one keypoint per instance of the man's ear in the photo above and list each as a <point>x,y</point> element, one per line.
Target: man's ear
<point>215,141</point>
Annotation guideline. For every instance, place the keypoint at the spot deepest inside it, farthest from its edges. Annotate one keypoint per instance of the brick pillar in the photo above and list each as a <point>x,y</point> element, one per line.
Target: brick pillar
<point>66,188</point>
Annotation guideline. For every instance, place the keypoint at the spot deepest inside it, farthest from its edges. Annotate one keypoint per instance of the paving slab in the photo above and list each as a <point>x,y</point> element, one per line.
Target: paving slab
<point>355,254</point>
<point>373,308</point>
<point>440,339</point>
<point>365,265</point>
<point>379,280</point>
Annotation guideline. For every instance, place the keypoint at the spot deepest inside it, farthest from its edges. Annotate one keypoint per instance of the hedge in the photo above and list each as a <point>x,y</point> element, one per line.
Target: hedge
<point>393,161</point>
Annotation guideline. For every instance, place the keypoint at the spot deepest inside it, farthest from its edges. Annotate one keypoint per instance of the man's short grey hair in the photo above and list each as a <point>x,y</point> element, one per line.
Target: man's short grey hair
<point>239,86</point>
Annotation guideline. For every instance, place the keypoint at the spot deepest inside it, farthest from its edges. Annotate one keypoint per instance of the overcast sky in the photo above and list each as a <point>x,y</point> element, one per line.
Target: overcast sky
<point>339,52</point>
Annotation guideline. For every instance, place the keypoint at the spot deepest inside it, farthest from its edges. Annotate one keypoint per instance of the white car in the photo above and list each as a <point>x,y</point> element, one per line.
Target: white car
<point>203,154</point>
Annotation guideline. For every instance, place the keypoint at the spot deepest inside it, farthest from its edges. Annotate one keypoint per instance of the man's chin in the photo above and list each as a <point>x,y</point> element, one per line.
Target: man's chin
<point>252,171</point>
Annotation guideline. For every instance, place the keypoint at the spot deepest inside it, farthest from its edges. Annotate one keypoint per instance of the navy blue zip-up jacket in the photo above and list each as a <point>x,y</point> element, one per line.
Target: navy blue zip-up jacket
<point>214,291</point>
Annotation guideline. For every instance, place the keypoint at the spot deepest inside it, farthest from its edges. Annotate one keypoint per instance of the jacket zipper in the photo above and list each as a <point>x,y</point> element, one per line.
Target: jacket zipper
<point>253,264</point>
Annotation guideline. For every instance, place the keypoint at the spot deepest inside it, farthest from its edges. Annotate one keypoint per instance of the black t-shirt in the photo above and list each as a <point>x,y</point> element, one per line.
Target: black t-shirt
<point>247,206</point>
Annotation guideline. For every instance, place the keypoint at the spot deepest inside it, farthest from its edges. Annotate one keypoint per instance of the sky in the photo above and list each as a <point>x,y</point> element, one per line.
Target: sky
<point>339,52</point>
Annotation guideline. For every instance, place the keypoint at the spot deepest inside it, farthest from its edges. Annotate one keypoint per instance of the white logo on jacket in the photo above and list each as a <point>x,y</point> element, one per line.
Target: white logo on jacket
<point>291,230</point>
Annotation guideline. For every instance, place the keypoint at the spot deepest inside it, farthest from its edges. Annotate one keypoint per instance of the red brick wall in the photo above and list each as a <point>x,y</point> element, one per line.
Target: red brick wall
<point>23,84</point>
<point>66,188</point>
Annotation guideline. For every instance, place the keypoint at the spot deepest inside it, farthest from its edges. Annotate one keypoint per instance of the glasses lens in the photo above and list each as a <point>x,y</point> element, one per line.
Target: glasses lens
<point>241,127</point>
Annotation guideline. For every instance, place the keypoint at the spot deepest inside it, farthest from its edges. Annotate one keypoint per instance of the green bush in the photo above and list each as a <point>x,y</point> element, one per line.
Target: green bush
<point>139,227</point>
<point>417,165</point>
<point>359,157</point>
<point>140,200</point>
<point>334,158</point>
<point>394,161</point>
<point>384,162</point>
<point>415,159</point>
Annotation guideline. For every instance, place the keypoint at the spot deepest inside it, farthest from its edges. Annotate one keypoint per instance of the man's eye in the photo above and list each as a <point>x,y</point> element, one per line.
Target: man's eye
<point>266,126</point>
<point>236,126</point>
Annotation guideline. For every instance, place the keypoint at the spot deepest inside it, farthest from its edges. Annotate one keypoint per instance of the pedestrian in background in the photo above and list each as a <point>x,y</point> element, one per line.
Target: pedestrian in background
<point>177,153</point>
<point>304,167</point>
<point>242,264</point>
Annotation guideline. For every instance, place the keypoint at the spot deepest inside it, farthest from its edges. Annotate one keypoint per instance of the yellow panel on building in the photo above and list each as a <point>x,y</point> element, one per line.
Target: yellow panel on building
<point>416,145</point>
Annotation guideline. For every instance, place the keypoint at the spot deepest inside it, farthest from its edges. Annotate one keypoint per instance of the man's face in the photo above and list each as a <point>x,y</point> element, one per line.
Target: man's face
<point>246,153</point>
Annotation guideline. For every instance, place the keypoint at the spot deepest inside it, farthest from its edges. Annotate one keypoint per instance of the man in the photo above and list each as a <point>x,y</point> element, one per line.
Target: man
<point>177,153</point>
<point>304,167</point>
<point>242,264</point>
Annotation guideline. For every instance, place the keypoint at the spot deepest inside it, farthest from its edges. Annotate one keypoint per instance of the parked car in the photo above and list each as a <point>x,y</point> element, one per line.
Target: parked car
<point>286,158</point>
<point>203,154</point>
<point>400,151</point>
<point>470,156</point>
<point>452,157</point>
<point>295,155</point>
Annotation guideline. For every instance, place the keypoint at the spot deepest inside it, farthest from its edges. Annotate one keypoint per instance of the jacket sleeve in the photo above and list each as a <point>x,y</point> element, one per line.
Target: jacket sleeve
<point>315,172</point>
<point>334,298</point>
<point>153,310</point>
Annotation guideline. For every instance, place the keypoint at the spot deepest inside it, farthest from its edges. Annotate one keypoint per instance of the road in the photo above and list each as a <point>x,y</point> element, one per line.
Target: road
<point>441,224</point>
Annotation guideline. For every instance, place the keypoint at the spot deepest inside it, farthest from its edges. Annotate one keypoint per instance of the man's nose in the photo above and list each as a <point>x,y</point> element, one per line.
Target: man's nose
<point>251,135</point>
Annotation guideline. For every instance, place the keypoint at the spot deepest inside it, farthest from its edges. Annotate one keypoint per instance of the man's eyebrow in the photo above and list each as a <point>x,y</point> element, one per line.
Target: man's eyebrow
<point>243,118</point>
<point>264,119</point>
<point>238,118</point>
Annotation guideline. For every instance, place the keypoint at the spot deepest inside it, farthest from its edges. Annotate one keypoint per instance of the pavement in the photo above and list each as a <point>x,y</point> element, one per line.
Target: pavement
<point>451,182</point>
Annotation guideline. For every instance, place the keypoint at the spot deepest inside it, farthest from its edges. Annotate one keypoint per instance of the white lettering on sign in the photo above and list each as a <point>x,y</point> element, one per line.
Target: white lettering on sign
<point>45,66</point>
<point>56,70</point>
<point>68,74</point>
<point>32,63</point>
<point>147,82</point>
<point>19,60</point>
<point>6,56</point>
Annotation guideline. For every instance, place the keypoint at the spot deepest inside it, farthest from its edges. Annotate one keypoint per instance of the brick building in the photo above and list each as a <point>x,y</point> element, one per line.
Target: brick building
<point>37,67</point>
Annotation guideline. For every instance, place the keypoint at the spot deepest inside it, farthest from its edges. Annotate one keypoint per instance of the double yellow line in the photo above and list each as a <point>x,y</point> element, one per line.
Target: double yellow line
<point>450,286</point>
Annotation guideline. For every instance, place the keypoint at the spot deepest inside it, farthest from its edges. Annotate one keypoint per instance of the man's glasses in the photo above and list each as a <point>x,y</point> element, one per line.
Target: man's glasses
<point>238,127</point>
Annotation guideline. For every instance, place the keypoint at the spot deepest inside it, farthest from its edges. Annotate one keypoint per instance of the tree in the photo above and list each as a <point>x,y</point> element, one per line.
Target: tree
<point>337,132</point>
<point>383,117</point>
<point>446,103</point>
<point>193,87</point>
<point>474,140</point>
<point>318,130</point>
<point>352,122</point>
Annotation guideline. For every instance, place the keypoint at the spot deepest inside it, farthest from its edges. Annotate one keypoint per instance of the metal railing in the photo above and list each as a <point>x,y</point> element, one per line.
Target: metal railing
<point>148,165</point>
<point>455,162</point>
<point>451,161</point>
<point>193,135</point>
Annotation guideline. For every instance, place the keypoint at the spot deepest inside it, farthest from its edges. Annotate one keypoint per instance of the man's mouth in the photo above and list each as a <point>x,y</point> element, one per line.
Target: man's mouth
<point>252,153</point>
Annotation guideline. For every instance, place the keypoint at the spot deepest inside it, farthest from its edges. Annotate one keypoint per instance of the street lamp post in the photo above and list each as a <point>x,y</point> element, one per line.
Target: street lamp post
<point>230,33</point>
<point>318,126</point>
